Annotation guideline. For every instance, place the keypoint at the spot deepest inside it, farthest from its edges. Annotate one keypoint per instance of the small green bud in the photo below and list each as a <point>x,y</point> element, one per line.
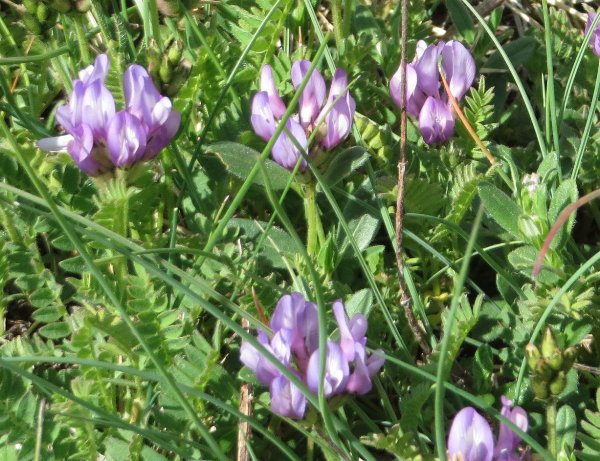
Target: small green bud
<point>558,384</point>
<point>30,6</point>
<point>175,52</point>
<point>83,6</point>
<point>32,24</point>
<point>165,71</point>
<point>533,355</point>
<point>569,356</point>
<point>548,344</point>
<point>542,371</point>
<point>540,389</point>
<point>556,359</point>
<point>42,12</point>
<point>62,6</point>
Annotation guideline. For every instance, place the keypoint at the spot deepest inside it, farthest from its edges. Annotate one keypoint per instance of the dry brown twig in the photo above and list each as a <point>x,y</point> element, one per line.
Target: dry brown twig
<point>416,329</point>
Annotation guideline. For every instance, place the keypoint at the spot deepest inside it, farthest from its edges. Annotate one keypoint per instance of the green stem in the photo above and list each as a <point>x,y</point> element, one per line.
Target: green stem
<point>336,15</point>
<point>312,218</point>
<point>550,95</point>
<point>588,127</point>
<point>82,41</point>
<point>551,427</point>
<point>347,17</point>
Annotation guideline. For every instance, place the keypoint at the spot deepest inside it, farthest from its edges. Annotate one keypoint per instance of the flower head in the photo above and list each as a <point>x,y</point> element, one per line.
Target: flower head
<point>471,438</point>
<point>331,114</point>
<point>425,97</point>
<point>294,344</point>
<point>98,137</point>
<point>595,38</point>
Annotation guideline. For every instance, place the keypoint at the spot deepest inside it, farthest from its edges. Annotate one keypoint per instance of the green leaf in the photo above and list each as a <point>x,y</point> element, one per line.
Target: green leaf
<point>564,195</point>
<point>361,302</point>
<point>461,19</point>
<point>566,428</point>
<point>55,330</point>
<point>345,163</point>
<point>501,208</point>
<point>239,161</point>
<point>46,314</point>
<point>519,51</point>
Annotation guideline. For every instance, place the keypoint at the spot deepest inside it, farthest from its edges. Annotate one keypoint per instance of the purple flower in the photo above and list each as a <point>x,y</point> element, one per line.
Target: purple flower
<point>98,137</point>
<point>426,99</point>
<point>287,399</point>
<point>471,438</point>
<point>294,344</point>
<point>155,112</point>
<point>332,116</point>
<point>595,38</point>
<point>508,441</point>
<point>336,370</point>
<point>436,122</point>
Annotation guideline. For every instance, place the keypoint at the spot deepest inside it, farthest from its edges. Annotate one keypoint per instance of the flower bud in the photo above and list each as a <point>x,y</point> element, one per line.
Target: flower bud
<point>42,12</point>
<point>83,6</point>
<point>30,6</point>
<point>165,71</point>
<point>533,355</point>
<point>175,52</point>
<point>62,6</point>
<point>548,344</point>
<point>555,361</point>
<point>32,24</point>
<point>542,371</point>
<point>558,384</point>
<point>569,356</point>
<point>540,390</point>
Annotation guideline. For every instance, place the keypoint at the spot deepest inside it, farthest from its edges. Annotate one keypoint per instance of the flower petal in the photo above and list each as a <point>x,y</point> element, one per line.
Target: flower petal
<point>81,150</point>
<point>313,96</point>
<point>285,152</point>
<point>267,84</point>
<point>55,144</point>
<point>262,118</point>
<point>336,370</point>
<point>97,108</point>
<point>459,67</point>
<point>595,38</point>
<point>428,77</point>
<point>436,122</point>
<point>126,139</point>
<point>286,399</point>
<point>97,71</point>
<point>470,436</point>
<point>140,93</point>
<point>162,135</point>
<point>338,111</point>
<point>414,96</point>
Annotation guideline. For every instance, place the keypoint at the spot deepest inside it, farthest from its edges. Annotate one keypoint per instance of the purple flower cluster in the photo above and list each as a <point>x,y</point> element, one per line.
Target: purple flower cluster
<point>331,115</point>
<point>295,343</point>
<point>471,437</point>
<point>595,38</point>
<point>424,99</point>
<point>98,137</point>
